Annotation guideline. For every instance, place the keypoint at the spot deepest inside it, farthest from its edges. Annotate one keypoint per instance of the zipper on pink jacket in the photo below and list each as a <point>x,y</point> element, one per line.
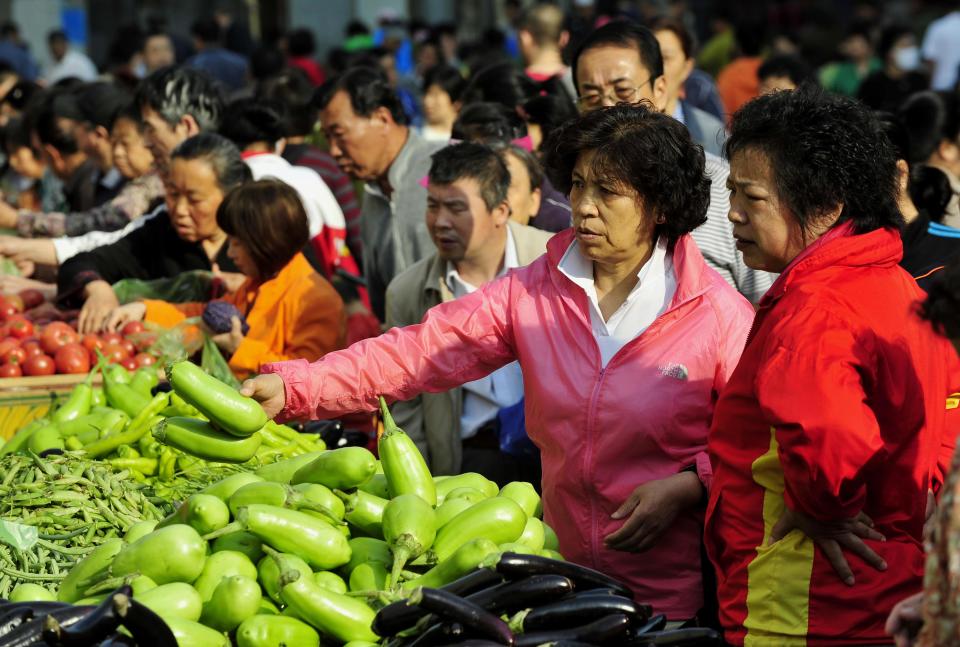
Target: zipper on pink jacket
<point>589,485</point>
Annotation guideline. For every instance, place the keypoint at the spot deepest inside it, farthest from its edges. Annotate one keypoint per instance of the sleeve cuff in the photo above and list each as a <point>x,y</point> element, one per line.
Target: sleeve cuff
<point>704,470</point>
<point>296,386</point>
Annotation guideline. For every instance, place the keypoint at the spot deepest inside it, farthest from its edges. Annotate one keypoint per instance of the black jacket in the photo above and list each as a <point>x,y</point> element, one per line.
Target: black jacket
<point>153,251</point>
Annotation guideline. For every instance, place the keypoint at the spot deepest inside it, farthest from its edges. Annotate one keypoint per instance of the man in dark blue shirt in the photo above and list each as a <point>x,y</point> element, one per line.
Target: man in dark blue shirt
<point>225,66</point>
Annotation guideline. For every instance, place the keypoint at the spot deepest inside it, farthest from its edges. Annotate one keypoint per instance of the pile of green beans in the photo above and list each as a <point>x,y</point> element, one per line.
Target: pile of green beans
<point>76,504</point>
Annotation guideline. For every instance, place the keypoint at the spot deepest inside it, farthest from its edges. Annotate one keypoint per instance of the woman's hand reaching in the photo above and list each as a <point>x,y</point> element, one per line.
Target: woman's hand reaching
<point>269,391</point>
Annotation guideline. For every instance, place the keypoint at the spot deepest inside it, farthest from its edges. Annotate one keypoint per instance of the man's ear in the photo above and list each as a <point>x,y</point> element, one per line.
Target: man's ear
<point>501,214</point>
<point>188,125</point>
<point>102,133</point>
<point>383,116</point>
<point>564,39</point>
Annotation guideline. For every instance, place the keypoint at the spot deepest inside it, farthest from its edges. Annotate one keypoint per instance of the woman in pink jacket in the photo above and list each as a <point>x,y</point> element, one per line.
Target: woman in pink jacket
<point>624,335</point>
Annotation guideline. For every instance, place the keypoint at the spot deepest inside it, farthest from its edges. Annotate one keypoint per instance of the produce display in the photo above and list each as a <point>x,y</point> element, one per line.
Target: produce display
<point>91,471</point>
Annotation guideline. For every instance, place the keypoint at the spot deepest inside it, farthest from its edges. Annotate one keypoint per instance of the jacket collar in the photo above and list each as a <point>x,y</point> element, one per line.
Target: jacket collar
<point>840,248</point>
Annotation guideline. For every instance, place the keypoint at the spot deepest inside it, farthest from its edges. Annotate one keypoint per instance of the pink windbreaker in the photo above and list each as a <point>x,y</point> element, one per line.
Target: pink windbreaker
<point>601,431</point>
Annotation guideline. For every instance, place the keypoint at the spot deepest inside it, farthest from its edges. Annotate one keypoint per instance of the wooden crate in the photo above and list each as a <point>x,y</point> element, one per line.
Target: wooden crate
<point>24,399</point>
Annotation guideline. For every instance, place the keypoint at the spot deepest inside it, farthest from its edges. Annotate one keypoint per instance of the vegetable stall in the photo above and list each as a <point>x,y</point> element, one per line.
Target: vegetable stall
<point>132,515</point>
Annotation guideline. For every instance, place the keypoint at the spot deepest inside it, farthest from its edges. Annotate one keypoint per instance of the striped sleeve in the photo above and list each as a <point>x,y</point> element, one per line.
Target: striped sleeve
<point>715,238</point>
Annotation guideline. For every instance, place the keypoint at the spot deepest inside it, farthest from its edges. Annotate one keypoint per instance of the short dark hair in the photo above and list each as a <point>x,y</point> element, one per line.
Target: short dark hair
<point>175,92</point>
<point>269,219</point>
<point>20,94</point>
<point>928,118</point>
<point>548,112</point>
<point>222,155</point>
<point>368,90</point>
<point>293,90</point>
<point>99,102</point>
<point>57,35</point>
<point>266,61</point>
<point>16,136</point>
<point>50,121</point>
<point>688,42</point>
<point>300,42</point>
<point>824,150</point>
<point>503,83</point>
<point>750,34</point>
<point>488,123</point>
<point>9,28</point>
<point>890,35</point>
<point>529,160</point>
<point>942,305</point>
<point>447,78</point>
<point>476,162</point>
<point>623,33</point>
<point>788,65</point>
<point>129,111</point>
<point>254,120</point>
<point>640,149</point>
<point>206,29</point>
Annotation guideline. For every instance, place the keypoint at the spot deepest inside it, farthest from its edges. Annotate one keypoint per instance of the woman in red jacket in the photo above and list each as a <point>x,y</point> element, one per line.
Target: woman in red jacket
<point>827,438</point>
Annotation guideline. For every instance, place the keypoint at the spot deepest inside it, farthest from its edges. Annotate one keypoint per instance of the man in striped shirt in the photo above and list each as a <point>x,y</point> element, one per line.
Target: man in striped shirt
<point>621,63</point>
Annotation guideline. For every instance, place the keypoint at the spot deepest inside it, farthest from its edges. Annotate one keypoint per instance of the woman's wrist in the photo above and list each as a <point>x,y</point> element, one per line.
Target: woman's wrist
<point>689,490</point>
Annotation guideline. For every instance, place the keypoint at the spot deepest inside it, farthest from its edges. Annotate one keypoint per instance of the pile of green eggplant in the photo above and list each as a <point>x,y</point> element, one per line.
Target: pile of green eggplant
<point>528,600</point>
<point>310,547</point>
<point>119,620</point>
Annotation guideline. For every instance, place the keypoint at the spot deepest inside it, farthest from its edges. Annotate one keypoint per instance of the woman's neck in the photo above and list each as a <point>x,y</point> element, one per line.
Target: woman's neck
<point>212,245</point>
<point>614,281</point>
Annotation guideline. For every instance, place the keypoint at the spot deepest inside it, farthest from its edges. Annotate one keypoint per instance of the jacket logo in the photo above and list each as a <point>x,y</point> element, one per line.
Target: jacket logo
<point>676,371</point>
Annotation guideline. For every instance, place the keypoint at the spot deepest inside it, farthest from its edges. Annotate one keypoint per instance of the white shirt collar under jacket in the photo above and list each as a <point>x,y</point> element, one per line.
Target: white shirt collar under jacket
<point>649,298</point>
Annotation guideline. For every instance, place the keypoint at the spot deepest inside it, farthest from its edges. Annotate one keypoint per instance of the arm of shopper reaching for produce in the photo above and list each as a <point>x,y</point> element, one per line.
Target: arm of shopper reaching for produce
<point>10,284</point>
<point>457,342</point>
<point>38,250</point>
<point>99,303</point>
<point>124,314</point>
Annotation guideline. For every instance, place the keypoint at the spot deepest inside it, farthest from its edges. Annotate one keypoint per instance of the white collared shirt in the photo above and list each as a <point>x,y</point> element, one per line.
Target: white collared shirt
<point>483,398</point>
<point>649,298</point>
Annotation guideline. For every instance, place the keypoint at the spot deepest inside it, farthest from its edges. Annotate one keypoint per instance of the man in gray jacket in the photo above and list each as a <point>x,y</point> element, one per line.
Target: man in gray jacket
<point>366,128</point>
<point>468,217</point>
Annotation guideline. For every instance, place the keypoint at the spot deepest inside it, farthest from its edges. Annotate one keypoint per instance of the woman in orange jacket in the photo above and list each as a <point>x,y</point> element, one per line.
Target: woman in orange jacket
<point>292,312</point>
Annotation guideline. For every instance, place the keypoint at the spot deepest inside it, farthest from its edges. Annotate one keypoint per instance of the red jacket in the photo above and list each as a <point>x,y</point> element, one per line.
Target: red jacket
<point>837,406</point>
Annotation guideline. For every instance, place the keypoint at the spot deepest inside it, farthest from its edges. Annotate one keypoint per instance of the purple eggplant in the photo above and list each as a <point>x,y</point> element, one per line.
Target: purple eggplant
<point>583,607</point>
<point>515,565</point>
<point>474,618</point>
<point>521,594</point>
<point>609,630</point>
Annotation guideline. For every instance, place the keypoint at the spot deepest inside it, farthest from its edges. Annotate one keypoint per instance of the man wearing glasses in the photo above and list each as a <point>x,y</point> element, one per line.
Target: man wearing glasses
<point>621,63</point>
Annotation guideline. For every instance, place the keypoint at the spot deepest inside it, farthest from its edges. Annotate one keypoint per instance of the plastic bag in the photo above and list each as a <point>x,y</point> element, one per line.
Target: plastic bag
<point>213,362</point>
<point>195,285</point>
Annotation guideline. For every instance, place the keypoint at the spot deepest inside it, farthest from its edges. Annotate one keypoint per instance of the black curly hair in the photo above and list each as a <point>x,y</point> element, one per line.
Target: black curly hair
<point>825,150</point>
<point>642,149</point>
<point>942,306</point>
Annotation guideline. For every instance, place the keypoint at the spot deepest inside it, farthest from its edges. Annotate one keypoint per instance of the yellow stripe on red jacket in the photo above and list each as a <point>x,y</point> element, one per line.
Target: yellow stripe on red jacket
<point>296,314</point>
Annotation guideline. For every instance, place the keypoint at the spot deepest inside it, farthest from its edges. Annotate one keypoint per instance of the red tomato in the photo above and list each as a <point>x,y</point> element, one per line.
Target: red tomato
<point>15,356</point>
<point>91,342</point>
<point>7,309</point>
<point>145,359</point>
<point>144,341</point>
<point>131,328</point>
<point>10,370</point>
<point>130,364</point>
<point>115,353</point>
<point>72,359</point>
<point>31,347</point>
<point>129,347</point>
<point>111,338</point>
<point>31,298</point>
<point>56,335</point>
<point>20,326</point>
<point>7,345</point>
<point>39,365</point>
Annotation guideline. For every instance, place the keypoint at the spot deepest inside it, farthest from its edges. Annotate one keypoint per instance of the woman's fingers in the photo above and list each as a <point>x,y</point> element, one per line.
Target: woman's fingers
<point>860,529</point>
<point>856,546</point>
<point>834,554</point>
